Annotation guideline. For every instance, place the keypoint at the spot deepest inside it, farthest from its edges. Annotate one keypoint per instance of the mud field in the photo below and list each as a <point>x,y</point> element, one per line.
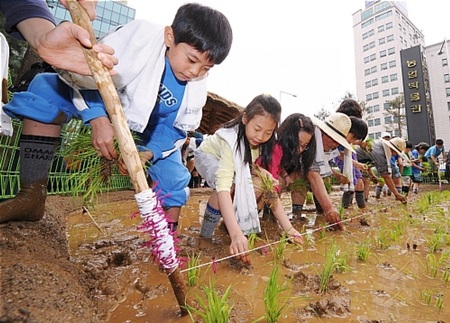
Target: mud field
<point>66,269</point>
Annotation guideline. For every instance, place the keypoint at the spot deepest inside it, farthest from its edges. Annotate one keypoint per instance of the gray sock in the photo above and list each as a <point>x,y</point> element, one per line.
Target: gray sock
<point>210,219</point>
<point>378,192</point>
<point>36,157</point>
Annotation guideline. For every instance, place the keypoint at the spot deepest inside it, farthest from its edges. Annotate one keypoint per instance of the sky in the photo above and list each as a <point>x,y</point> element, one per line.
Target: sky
<point>286,48</point>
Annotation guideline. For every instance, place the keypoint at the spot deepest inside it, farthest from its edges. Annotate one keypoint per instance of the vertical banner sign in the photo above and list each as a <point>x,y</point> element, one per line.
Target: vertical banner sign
<point>416,89</point>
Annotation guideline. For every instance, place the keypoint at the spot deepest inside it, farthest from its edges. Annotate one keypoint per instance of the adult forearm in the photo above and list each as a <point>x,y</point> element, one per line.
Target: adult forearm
<point>34,30</point>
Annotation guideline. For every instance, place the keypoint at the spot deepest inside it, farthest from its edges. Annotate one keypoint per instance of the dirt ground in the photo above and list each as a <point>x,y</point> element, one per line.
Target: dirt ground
<point>40,283</point>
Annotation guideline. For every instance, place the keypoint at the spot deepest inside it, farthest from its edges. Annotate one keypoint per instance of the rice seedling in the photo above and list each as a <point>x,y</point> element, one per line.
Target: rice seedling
<point>397,231</point>
<point>281,247</point>
<point>309,198</point>
<point>273,301</point>
<point>193,273</point>
<point>433,263</point>
<point>251,240</point>
<point>264,188</point>
<point>435,241</point>
<point>446,275</point>
<point>426,296</point>
<point>363,251</point>
<point>213,308</point>
<point>440,301</point>
<point>382,239</point>
<point>328,267</point>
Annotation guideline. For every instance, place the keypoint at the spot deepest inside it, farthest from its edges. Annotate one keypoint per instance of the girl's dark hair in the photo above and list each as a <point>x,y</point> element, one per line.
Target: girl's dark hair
<point>422,145</point>
<point>261,105</point>
<point>351,108</point>
<point>205,29</point>
<point>409,144</point>
<point>359,128</point>
<point>288,132</point>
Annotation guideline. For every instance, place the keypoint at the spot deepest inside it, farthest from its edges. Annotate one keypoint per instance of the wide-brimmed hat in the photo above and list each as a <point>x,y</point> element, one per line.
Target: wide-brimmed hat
<point>336,126</point>
<point>397,143</point>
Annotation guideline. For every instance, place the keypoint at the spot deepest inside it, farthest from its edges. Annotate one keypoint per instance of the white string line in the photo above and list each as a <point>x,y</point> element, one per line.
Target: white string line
<point>266,245</point>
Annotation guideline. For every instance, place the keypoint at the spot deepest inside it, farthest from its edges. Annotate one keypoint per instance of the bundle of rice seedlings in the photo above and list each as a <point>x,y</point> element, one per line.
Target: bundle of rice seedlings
<point>90,174</point>
<point>264,187</point>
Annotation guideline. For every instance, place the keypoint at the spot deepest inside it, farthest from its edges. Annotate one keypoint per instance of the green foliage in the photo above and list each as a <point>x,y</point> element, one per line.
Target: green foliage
<point>193,273</point>
<point>213,308</point>
<point>273,302</point>
<point>331,257</point>
<point>363,251</point>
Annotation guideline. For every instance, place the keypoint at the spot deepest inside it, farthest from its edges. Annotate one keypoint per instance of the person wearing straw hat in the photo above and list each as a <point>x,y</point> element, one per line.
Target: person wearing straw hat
<point>329,134</point>
<point>380,155</point>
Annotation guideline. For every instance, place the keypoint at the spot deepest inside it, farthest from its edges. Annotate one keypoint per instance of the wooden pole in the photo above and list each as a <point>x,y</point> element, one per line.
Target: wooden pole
<point>127,146</point>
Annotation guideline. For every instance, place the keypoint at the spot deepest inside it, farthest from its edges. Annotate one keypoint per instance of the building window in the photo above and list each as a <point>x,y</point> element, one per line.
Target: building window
<point>447,91</point>
<point>369,109</point>
<point>376,108</point>
<point>444,62</point>
<point>373,57</point>
<point>371,136</point>
<point>448,106</point>
<point>386,92</point>
<point>368,84</point>
<point>390,38</point>
<point>380,28</point>
<point>370,123</point>
<point>387,120</point>
<point>383,53</point>
<point>381,41</point>
<point>377,122</point>
<point>366,48</point>
<point>389,25</point>
<point>394,90</point>
<point>386,106</point>
<point>367,71</point>
<point>446,78</point>
<point>368,97</point>
<point>384,79</point>
<point>366,59</point>
<point>374,82</point>
<point>373,69</point>
<point>392,64</point>
<point>383,66</point>
<point>391,51</point>
<point>372,44</point>
<point>376,96</point>
<point>377,135</point>
<point>393,77</point>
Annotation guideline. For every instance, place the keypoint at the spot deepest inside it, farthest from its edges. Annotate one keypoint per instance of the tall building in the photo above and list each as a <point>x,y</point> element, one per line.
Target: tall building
<point>381,31</point>
<point>109,14</point>
<point>438,59</point>
<point>393,65</point>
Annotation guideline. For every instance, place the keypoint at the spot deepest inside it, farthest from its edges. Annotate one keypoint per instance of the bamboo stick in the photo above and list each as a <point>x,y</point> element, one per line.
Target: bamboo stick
<point>127,146</point>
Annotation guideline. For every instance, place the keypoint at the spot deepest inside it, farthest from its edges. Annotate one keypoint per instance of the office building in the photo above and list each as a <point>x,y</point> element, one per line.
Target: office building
<point>393,65</point>
<point>109,14</point>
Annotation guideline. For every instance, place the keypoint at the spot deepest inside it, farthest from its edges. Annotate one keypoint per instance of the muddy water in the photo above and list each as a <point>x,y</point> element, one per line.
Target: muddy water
<point>395,284</point>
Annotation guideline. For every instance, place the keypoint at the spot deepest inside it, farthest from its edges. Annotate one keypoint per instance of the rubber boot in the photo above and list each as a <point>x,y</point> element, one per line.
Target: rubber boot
<point>405,190</point>
<point>360,199</point>
<point>346,199</point>
<point>210,219</point>
<point>378,192</point>
<point>36,156</point>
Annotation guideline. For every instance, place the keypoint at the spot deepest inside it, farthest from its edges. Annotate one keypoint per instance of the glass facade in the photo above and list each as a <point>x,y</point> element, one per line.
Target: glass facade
<point>109,15</point>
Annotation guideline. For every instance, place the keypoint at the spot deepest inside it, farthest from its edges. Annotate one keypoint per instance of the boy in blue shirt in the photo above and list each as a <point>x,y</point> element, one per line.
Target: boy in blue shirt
<point>161,81</point>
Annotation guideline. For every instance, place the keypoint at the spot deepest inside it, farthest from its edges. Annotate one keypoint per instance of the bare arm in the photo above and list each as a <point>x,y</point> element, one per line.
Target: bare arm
<point>60,46</point>
<point>239,242</point>
<point>320,192</point>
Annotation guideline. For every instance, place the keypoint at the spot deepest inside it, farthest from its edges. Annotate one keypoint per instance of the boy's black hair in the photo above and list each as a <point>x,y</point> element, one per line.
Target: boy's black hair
<point>439,142</point>
<point>422,145</point>
<point>205,29</point>
<point>288,132</point>
<point>358,128</point>
<point>408,144</point>
<point>262,104</point>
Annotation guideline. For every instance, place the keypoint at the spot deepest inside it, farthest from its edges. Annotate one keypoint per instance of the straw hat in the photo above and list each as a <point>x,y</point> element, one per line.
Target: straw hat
<point>337,127</point>
<point>398,144</point>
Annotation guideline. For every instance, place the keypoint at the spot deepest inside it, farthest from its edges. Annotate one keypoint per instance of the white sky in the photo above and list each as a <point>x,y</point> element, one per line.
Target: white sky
<point>287,46</point>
